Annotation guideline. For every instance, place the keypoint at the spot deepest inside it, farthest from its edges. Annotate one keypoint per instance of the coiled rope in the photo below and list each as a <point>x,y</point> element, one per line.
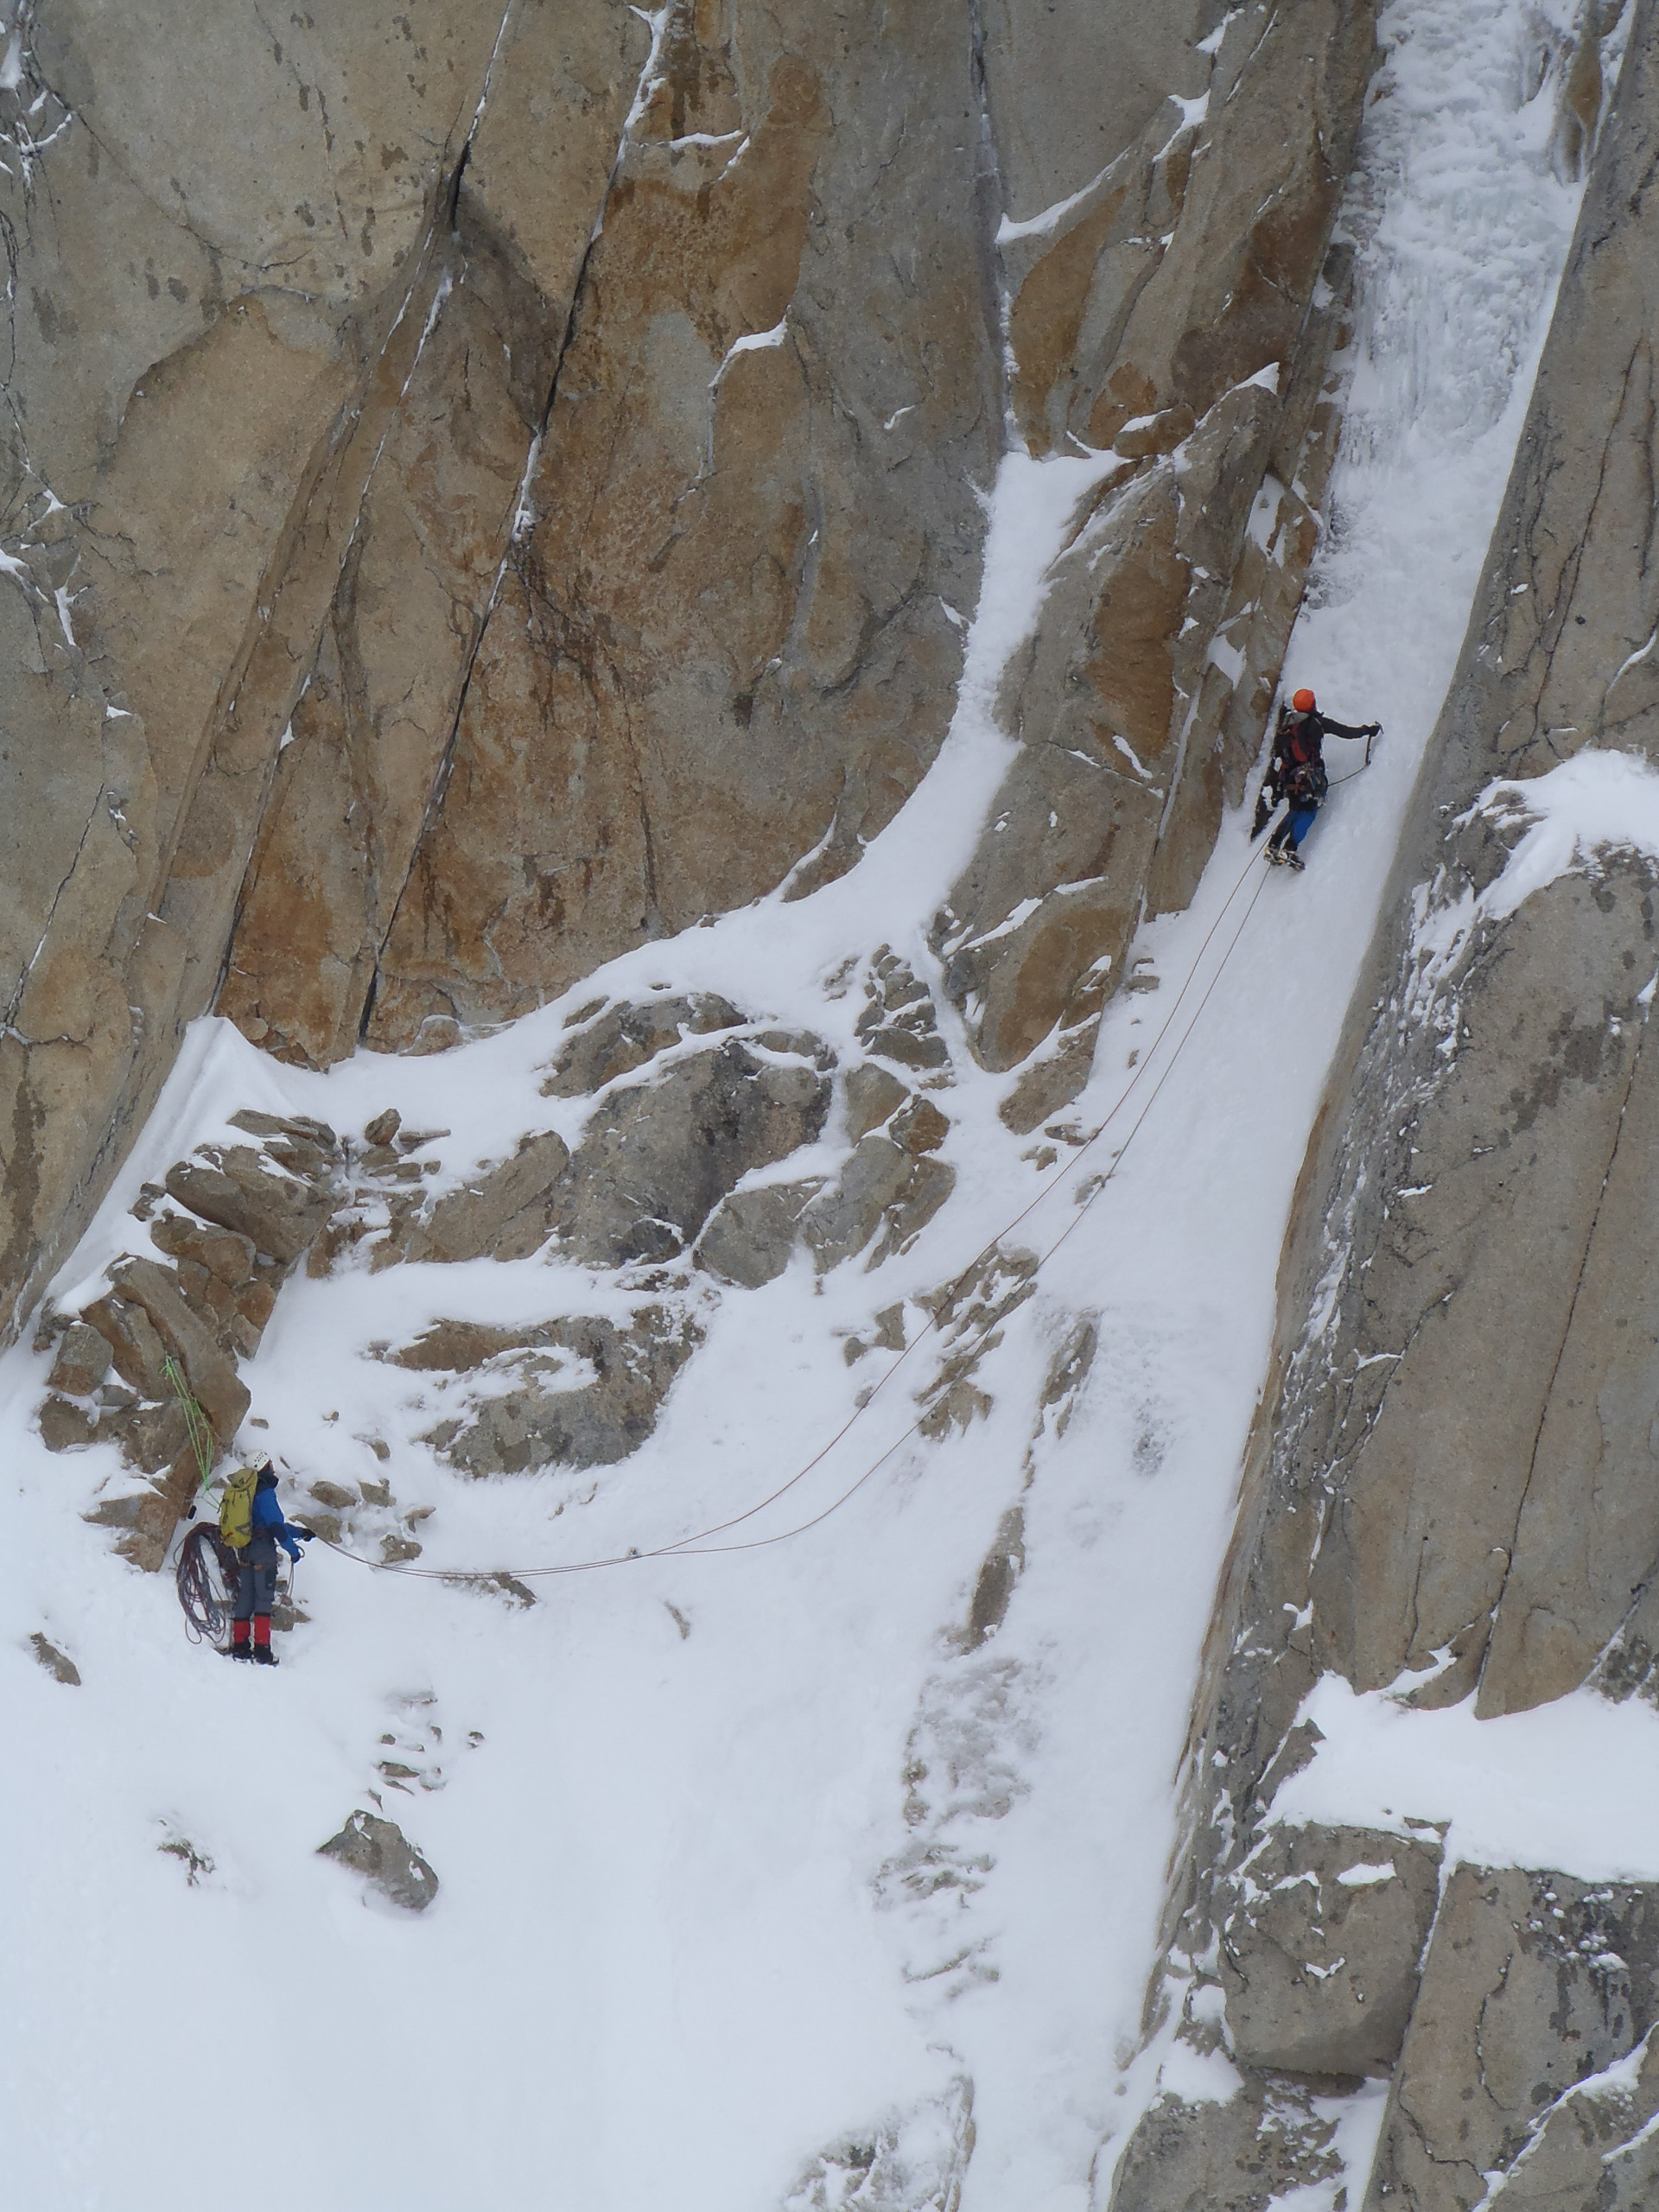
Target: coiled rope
<point>696,1545</point>
<point>201,1593</point>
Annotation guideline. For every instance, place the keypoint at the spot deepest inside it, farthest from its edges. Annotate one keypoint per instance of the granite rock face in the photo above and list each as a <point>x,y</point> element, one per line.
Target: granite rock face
<point>1321,1933</point>
<point>1534,1984</point>
<point>1595,2148</point>
<point>1449,1492</point>
<point>229,241</point>
<point>486,489</point>
<point>1178,307</point>
<point>751,507</point>
<point>517,488</point>
<point>1240,2155</point>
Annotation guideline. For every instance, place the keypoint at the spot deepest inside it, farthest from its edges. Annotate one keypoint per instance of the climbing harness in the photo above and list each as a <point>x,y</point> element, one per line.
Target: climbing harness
<point>698,1545</point>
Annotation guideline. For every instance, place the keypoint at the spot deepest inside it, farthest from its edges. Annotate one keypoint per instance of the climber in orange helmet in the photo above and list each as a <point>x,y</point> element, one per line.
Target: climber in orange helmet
<point>1296,774</point>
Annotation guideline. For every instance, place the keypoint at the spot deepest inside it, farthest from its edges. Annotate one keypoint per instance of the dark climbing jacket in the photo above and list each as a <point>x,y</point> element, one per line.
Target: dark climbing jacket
<point>1297,771</point>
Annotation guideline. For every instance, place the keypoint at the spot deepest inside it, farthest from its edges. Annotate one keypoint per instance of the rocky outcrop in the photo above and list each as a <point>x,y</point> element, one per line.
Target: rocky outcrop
<point>899,1022</point>
<point>659,1168</point>
<point>1238,2155</point>
<point>455,537</point>
<point>1596,2146</point>
<point>625,1036</point>
<point>504,1212</point>
<point>646,1177</point>
<point>57,1664</point>
<point>752,1235</point>
<point>1178,307</point>
<point>379,1850</point>
<point>1448,1493</point>
<point>1321,1932</point>
<point>1519,2060</point>
<point>82,1362</point>
<point>911,2161</point>
<point>652,1169</point>
<point>545,1418</point>
<point>1534,1985</point>
<point>160,1335</point>
<point>275,1199</point>
<point>885,1197</point>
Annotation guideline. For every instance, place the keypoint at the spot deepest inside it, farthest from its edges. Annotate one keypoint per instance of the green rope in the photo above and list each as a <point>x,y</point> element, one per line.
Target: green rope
<point>196,1422</point>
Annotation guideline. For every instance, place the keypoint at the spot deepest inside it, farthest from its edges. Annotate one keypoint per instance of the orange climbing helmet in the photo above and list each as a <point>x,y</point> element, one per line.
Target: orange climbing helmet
<point>1304,702</point>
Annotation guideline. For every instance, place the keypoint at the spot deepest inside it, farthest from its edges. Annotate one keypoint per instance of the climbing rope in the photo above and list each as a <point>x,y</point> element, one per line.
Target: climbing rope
<point>202,1591</point>
<point>698,1545</point>
<point>196,1422</point>
<point>1370,741</point>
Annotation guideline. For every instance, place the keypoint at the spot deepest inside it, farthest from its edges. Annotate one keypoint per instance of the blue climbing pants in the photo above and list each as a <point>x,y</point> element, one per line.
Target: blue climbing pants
<point>1294,827</point>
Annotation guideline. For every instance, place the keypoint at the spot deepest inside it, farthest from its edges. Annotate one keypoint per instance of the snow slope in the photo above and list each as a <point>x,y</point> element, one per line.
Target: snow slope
<point>704,1914</point>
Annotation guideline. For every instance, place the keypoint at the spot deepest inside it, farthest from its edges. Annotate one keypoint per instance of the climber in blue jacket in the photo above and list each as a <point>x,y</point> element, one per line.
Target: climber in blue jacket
<point>256,1580</point>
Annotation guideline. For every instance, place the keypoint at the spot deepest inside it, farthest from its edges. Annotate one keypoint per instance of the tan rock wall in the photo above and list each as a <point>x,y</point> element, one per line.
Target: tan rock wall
<point>1166,311</point>
<point>351,794</point>
<point>1452,1477</point>
<point>506,528</point>
<point>1532,1984</point>
<point>721,642</point>
<point>225,270</point>
<point>1071,86</point>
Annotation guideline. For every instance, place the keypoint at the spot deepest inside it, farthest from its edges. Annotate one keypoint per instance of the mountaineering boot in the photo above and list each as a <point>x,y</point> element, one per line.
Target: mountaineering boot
<point>239,1647</point>
<point>1294,859</point>
<point>264,1656</point>
<point>1276,856</point>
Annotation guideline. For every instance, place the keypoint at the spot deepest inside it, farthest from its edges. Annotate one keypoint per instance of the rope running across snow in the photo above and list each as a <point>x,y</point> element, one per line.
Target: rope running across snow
<point>697,1546</point>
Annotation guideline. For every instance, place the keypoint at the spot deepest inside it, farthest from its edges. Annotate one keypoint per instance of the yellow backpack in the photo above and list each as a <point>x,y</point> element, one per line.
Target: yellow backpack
<point>236,1507</point>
